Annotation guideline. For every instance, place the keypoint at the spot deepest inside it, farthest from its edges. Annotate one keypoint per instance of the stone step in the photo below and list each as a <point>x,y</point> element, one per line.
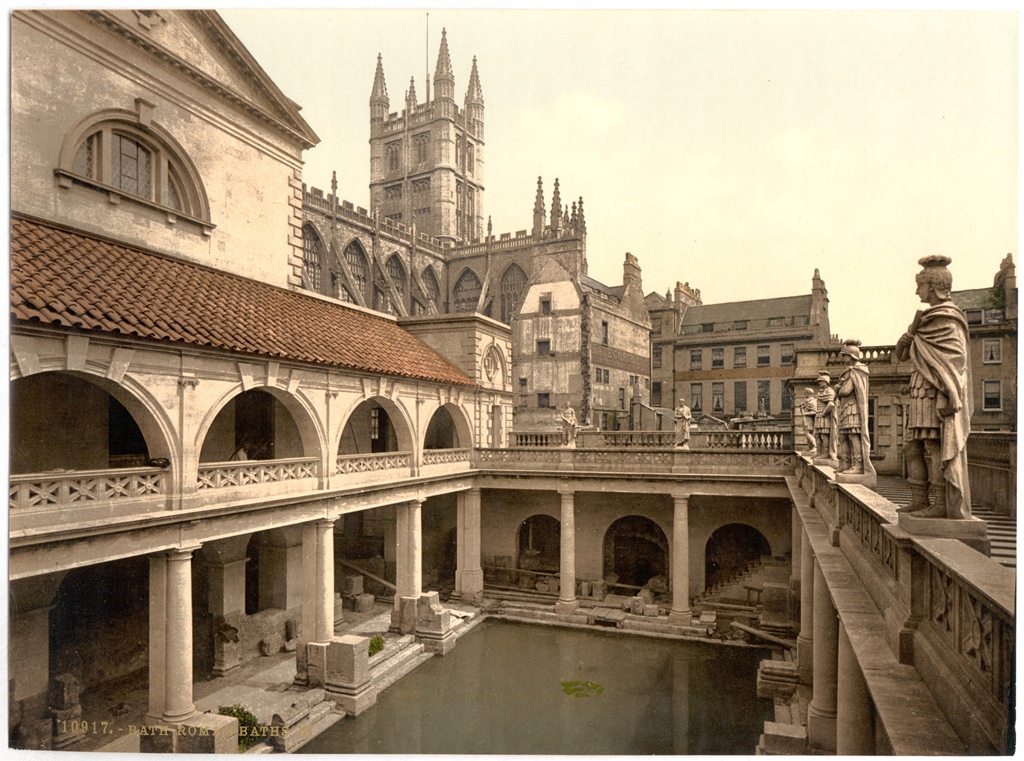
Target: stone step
<point>402,669</point>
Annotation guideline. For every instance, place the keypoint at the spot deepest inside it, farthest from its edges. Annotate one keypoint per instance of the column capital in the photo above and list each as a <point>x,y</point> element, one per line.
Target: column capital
<point>565,489</point>
<point>325,522</point>
<point>178,553</point>
<point>680,496</point>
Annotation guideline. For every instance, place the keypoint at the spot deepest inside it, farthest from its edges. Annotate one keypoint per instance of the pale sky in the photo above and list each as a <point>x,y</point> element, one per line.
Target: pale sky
<point>734,150</point>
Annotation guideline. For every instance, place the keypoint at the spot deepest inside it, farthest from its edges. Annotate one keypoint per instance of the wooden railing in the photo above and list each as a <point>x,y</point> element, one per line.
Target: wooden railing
<point>220,475</point>
<point>41,491</point>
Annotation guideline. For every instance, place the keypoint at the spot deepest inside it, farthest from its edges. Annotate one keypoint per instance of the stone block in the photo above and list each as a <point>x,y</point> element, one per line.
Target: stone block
<point>403,618</point>
<point>160,739</point>
<point>784,739</point>
<point>353,586</point>
<point>651,611</point>
<point>316,664</point>
<point>636,606</point>
<point>348,659</point>
<point>598,589</point>
<point>775,604</point>
<point>208,733</point>
<point>432,618</point>
<point>363,603</point>
<point>584,589</point>
<point>64,691</point>
<point>708,617</point>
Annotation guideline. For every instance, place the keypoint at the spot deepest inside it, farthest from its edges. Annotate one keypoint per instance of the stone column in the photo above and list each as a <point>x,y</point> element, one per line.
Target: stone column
<point>680,613</point>
<point>416,547</point>
<point>796,542</point>
<point>469,578</point>
<point>317,603</point>
<point>178,703</point>
<point>855,735</point>
<point>567,602</point>
<point>408,566</point>
<point>401,554</point>
<point>821,714</point>
<point>804,641</point>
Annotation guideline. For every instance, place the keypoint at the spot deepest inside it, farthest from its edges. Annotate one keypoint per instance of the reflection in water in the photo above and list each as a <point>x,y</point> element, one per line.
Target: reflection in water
<point>501,691</point>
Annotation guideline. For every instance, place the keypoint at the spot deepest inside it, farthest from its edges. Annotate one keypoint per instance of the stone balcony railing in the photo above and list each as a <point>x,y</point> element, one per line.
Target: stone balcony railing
<point>948,610</point>
<point>445,456</point>
<point>635,461</point>
<point>54,490</point>
<point>221,475</point>
<point>764,441</point>
<point>370,463</point>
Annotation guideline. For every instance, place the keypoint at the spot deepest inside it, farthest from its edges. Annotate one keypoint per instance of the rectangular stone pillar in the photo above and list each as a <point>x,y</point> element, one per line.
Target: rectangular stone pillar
<point>348,674</point>
<point>854,727</point>
<point>821,713</point>
<point>469,578</point>
<point>680,613</point>
<point>567,602</point>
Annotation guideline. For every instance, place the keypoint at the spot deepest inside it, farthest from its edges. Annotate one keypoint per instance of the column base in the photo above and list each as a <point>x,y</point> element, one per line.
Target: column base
<point>821,730</point>
<point>681,618</point>
<point>434,625</point>
<point>566,607</point>
<point>403,617</point>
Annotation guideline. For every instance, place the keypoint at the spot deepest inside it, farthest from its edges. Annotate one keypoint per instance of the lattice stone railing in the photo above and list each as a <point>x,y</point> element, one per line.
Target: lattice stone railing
<point>365,463</point>
<point>220,475</point>
<point>41,491</point>
<point>445,456</point>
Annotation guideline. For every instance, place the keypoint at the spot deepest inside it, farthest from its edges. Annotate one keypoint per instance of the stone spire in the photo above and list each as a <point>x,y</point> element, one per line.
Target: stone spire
<point>444,77</point>
<point>583,219</point>
<point>574,218</point>
<point>538,210</point>
<point>556,208</point>
<point>379,103</point>
<point>474,94</point>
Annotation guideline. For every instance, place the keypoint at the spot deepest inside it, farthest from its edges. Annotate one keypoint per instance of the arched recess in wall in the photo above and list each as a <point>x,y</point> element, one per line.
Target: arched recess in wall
<point>730,550</point>
<point>635,550</point>
<point>539,543</point>
<point>375,426</point>
<point>108,425</point>
<point>355,258</point>
<point>448,429</point>
<point>466,293</point>
<point>314,259</point>
<point>513,286</point>
<point>259,424</point>
<point>128,153</point>
<point>432,288</point>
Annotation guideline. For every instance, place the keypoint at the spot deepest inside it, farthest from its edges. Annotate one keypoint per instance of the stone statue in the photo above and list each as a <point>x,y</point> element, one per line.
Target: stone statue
<point>683,418</point>
<point>824,421</point>
<point>567,417</point>
<point>808,409</point>
<point>851,414</point>
<point>939,415</point>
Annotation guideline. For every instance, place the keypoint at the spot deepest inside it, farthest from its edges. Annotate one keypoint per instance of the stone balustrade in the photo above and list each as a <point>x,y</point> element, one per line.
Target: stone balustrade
<point>992,466</point>
<point>540,438</point>
<point>366,463</point>
<point>220,475</point>
<point>772,441</point>
<point>637,461</point>
<point>41,491</point>
<point>757,440</point>
<point>445,456</point>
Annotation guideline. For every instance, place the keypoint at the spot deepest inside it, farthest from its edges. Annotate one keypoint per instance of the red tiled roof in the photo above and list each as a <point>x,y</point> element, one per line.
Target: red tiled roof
<point>77,280</point>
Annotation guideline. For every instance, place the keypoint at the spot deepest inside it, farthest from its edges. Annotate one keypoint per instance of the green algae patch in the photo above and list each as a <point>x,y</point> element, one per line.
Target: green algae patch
<point>577,689</point>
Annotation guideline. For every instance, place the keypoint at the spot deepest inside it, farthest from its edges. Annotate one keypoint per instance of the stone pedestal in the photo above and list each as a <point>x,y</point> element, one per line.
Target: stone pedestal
<point>227,650</point>
<point>971,531</point>
<point>316,664</point>
<point>405,614</point>
<point>66,711</point>
<point>434,625</point>
<point>348,674</point>
<point>867,479</point>
<point>203,733</point>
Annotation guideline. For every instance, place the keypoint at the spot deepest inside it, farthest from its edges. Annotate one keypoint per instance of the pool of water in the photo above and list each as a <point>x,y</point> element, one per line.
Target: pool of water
<point>517,688</point>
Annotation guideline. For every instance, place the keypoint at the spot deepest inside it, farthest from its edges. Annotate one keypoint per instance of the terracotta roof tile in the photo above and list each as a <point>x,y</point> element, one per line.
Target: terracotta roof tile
<point>73,279</point>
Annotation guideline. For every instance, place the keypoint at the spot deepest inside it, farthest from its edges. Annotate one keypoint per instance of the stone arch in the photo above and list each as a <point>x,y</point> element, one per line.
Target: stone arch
<point>449,428</point>
<point>512,290</point>
<point>729,550</point>
<point>302,415</point>
<point>146,414</point>
<point>354,430</point>
<point>635,549</point>
<point>466,294</point>
<point>538,544</point>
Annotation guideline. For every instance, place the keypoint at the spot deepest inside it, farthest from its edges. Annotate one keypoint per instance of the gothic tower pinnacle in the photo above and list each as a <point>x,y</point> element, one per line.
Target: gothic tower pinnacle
<point>379,103</point>
<point>538,210</point>
<point>556,208</point>
<point>444,77</point>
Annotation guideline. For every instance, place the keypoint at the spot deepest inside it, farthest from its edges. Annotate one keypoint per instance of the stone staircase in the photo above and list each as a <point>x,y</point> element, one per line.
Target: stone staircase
<point>1002,529</point>
<point>734,590</point>
<point>397,659</point>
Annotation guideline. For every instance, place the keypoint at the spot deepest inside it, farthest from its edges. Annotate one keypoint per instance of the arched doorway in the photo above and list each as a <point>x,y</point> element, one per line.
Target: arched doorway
<point>730,549</point>
<point>635,550</point>
<point>540,538</point>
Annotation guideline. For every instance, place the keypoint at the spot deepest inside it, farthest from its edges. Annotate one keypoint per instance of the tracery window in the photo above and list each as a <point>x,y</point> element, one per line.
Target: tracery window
<point>397,274</point>
<point>513,283</point>
<point>312,258</point>
<point>467,292</point>
<point>356,261</point>
<point>431,287</point>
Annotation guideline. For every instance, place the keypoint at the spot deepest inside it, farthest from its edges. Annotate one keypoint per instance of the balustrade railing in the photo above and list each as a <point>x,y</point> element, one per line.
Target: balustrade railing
<point>758,440</point>
<point>220,475</point>
<point>445,456</point>
<point>40,491</point>
<point>540,438</point>
<point>770,441</point>
<point>365,463</point>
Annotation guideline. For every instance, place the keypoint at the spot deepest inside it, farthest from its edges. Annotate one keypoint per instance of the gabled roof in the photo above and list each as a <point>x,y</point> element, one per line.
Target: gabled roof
<point>597,286</point>
<point>759,309</point>
<point>977,298</point>
<point>62,277</point>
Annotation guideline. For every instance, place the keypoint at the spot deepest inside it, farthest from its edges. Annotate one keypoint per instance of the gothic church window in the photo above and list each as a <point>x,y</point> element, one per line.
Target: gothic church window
<point>467,292</point>
<point>312,258</point>
<point>431,287</point>
<point>397,274</point>
<point>420,145</point>
<point>513,283</point>
<point>393,152</point>
<point>356,261</point>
